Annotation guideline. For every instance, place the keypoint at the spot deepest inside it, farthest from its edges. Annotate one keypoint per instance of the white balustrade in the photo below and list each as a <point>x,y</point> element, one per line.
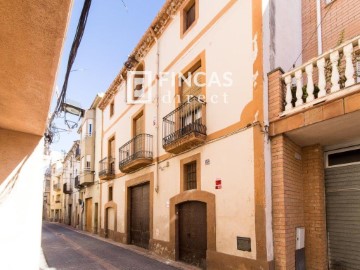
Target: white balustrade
<point>349,69</point>
<point>288,93</point>
<point>310,82</point>
<point>335,77</point>
<point>329,79</point>
<point>299,92</point>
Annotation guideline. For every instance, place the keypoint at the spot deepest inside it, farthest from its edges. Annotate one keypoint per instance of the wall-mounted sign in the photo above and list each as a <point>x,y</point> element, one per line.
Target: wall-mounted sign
<point>218,183</point>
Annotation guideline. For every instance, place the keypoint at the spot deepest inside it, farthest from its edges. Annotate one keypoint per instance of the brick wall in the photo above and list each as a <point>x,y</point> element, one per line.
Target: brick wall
<point>276,93</point>
<point>287,193</point>
<point>342,15</point>
<point>314,207</point>
<point>298,201</point>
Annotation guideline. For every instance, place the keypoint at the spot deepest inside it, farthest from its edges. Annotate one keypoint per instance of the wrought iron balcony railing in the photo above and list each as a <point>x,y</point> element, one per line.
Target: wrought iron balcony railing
<point>185,127</point>
<point>136,153</point>
<point>107,168</point>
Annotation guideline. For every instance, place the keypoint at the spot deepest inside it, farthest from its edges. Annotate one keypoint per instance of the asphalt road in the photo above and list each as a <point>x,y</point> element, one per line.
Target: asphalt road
<point>68,249</point>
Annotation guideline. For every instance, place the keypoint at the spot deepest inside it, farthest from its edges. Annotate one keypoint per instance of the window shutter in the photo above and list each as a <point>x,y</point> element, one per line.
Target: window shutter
<point>190,16</point>
<point>192,88</point>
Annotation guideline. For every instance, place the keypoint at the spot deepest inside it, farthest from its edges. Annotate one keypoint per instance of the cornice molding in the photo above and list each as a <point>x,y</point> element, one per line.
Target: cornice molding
<point>157,28</point>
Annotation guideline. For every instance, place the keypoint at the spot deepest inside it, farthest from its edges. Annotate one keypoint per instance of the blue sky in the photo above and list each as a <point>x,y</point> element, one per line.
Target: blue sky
<point>111,33</point>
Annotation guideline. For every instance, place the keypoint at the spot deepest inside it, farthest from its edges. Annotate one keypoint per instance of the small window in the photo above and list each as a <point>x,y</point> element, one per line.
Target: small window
<point>190,175</point>
<point>90,129</point>
<point>341,158</point>
<point>189,15</point>
<point>110,193</point>
<point>112,108</point>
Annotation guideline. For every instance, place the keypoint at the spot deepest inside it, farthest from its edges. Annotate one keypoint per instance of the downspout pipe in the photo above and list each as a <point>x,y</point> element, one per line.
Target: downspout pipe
<point>319,27</point>
<point>157,110</point>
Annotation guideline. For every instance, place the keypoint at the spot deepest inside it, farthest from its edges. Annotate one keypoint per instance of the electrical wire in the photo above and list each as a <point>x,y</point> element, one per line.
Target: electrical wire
<point>73,52</point>
<point>310,38</point>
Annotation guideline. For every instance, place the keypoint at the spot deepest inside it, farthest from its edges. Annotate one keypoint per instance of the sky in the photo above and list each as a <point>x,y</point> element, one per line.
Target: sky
<point>112,32</point>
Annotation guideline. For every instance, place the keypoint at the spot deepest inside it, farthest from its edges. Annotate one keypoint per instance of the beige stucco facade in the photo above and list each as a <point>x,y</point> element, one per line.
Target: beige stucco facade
<point>232,152</point>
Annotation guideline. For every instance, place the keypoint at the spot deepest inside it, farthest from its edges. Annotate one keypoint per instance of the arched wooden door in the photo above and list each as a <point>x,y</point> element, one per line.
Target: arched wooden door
<point>192,233</point>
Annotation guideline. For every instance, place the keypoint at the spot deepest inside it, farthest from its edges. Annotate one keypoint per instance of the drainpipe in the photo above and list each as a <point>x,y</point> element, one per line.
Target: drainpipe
<point>157,111</point>
<point>319,28</point>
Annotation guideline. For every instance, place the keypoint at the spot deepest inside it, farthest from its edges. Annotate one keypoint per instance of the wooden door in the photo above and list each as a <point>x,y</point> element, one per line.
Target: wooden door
<point>140,216</point>
<point>111,156</point>
<point>89,215</point>
<point>139,128</point>
<point>192,233</point>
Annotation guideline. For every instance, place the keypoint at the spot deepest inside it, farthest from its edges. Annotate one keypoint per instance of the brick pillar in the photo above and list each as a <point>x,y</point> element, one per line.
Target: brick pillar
<point>314,208</point>
<point>287,199</point>
<point>276,93</point>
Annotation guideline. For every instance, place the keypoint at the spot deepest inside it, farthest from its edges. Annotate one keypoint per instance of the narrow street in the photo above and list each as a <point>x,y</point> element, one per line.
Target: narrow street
<point>65,248</point>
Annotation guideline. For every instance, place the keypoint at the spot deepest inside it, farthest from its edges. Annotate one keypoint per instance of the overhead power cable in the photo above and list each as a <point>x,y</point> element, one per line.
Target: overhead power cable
<point>73,52</point>
<point>310,38</point>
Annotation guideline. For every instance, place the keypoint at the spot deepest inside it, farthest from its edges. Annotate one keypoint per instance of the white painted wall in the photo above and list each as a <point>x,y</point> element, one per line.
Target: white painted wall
<point>21,214</point>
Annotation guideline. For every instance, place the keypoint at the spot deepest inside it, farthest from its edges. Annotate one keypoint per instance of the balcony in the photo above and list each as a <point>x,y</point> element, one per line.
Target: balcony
<point>67,189</point>
<point>184,128</point>
<point>107,168</point>
<point>136,153</point>
<point>333,74</point>
<point>87,177</point>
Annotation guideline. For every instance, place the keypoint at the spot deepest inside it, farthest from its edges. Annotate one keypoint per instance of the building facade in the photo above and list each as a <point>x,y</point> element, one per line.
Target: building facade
<point>184,170</point>
<point>88,183</point>
<point>71,169</point>
<point>56,194</point>
<point>314,112</point>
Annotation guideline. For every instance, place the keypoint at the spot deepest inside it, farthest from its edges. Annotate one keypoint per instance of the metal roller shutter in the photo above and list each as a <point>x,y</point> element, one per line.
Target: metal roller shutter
<point>343,216</point>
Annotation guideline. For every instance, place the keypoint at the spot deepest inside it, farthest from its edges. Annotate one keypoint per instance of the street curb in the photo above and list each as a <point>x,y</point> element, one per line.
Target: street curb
<point>138,250</point>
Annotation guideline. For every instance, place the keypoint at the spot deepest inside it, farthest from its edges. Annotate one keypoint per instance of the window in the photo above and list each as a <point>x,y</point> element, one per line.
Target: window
<point>89,131</point>
<point>193,83</point>
<point>110,193</point>
<point>343,157</point>
<point>190,175</point>
<point>189,15</point>
<point>88,162</point>
<point>112,108</point>
<point>139,82</point>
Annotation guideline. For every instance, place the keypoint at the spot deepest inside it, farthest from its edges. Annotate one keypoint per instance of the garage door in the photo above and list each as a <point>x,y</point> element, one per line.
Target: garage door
<point>192,233</point>
<point>140,216</point>
<point>343,216</point>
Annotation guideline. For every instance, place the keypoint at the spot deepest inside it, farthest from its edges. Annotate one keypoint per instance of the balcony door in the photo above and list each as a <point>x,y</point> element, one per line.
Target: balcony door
<point>139,128</point>
<point>191,87</point>
<point>111,156</point>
